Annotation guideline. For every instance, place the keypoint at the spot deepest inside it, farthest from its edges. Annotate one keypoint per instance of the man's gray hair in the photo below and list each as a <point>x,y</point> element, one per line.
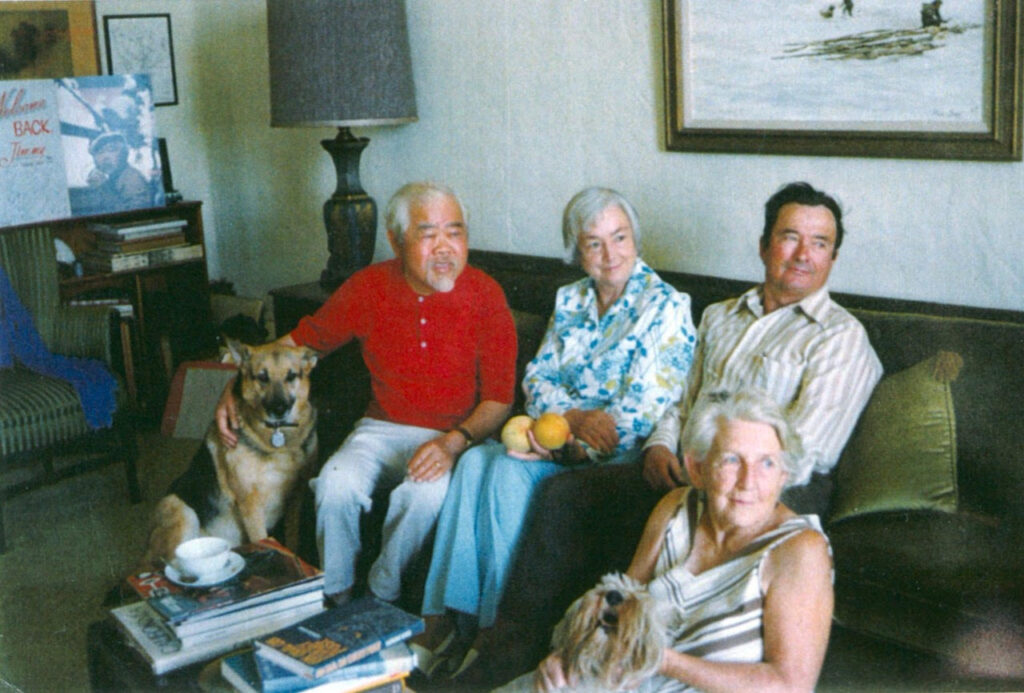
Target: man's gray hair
<point>581,212</point>
<point>396,216</point>
<point>751,405</point>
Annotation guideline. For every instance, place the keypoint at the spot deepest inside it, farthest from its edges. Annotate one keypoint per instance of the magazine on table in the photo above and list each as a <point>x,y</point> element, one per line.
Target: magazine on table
<point>148,633</point>
<point>271,572</point>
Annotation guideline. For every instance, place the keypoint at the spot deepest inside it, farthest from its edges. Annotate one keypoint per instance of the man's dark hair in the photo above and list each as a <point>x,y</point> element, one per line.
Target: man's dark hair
<point>802,194</point>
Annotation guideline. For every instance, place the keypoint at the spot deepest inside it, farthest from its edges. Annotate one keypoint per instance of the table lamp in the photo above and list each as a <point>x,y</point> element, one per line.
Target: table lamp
<point>344,64</point>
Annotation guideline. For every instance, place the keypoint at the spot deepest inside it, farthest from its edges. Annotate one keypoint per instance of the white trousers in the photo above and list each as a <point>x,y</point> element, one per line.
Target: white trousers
<point>375,455</point>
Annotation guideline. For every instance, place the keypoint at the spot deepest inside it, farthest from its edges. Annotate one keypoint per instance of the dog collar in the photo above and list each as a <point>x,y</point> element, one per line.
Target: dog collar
<point>277,437</point>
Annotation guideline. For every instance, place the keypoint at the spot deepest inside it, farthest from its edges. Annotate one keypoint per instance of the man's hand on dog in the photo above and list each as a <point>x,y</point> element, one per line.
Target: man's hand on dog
<point>436,457</point>
<point>227,417</point>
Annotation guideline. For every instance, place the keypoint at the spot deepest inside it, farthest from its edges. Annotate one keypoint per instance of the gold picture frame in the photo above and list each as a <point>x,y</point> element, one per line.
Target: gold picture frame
<point>760,83</point>
<point>47,39</point>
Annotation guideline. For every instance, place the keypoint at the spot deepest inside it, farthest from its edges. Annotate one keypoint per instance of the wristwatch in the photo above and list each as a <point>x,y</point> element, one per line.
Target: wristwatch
<point>465,434</point>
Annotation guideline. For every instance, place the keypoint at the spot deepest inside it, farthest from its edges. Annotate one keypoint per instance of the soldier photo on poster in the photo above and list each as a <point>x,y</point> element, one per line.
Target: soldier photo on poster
<point>110,147</point>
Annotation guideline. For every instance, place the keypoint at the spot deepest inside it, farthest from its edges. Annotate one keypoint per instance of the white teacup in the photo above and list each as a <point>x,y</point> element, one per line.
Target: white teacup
<point>202,557</point>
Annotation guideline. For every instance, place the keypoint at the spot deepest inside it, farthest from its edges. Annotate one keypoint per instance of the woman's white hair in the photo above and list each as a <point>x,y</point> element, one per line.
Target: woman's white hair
<point>581,212</point>
<point>751,405</point>
<point>396,216</point>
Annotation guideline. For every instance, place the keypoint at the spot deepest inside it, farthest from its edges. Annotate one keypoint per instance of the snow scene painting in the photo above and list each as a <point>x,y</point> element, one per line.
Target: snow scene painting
<point>868,65</point>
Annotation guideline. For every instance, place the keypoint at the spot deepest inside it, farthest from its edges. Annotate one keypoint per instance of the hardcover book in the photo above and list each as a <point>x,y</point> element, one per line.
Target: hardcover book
<point>397,659</point>
<point>114,262</point>
<point>134,230</point>
<point>271,572</point>
<point>248,672</point>
<point>178,253</point>
<point>141,245</point>
<point>339,637</point>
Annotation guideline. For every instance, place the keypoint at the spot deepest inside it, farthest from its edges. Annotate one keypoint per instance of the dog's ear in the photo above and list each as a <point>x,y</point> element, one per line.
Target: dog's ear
<point>561,636</point>
<point>239,352</point>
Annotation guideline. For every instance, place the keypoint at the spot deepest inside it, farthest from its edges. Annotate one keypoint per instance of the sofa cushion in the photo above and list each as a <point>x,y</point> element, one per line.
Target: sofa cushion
<point>989,395</point>
<point>37,411</point>
<point>922,578</point>
<point>903,453</point>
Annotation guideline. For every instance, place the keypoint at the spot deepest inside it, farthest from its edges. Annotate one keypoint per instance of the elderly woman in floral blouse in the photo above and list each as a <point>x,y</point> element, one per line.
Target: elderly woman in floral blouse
<point>615,356</point>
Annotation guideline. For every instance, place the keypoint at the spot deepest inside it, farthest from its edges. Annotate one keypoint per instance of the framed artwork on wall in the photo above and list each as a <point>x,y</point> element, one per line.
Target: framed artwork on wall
<point>48,39</point>
<point>921,80</point>
<point>142,43</point>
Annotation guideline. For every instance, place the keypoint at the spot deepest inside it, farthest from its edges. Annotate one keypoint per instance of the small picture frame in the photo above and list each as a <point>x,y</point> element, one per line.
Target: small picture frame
<point>47,39</point>
<point>142,43</point>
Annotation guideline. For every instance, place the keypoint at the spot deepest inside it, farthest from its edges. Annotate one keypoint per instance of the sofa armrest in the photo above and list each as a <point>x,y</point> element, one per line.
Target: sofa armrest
<point>85,331</point>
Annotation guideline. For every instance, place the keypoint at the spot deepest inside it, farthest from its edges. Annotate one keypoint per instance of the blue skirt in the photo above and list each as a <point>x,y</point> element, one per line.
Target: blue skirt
<point>480,523</point>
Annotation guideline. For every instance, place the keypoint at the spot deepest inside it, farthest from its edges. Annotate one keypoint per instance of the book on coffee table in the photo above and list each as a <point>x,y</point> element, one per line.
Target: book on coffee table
<point>249,672</point>
<point>338,637</point>
<point>271,573</point>
<point>239,671</point>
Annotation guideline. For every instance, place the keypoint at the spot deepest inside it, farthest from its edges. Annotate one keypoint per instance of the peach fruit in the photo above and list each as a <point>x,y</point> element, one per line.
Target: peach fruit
<point>513,433</point>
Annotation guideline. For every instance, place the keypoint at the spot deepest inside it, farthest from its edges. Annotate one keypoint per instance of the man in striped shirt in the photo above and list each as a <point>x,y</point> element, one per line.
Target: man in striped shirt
<point>788,338</point>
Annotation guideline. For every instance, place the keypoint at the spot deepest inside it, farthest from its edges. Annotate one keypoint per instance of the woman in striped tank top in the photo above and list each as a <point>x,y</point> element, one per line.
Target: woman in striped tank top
<point>749,581</point>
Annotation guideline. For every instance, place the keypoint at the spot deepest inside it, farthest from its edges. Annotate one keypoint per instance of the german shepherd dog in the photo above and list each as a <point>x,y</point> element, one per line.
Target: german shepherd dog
<point>241,493</point>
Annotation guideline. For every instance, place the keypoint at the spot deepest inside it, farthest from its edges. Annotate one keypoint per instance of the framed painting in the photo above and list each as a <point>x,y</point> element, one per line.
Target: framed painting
<point>142,43</point>
<point>51,39</point>
<point>916,80</point>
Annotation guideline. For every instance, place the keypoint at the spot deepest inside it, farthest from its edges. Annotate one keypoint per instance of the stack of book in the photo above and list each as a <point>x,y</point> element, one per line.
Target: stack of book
<point>174,625</point>
<point>360,646</point>
<point>134,245</point>
<point>122,305</point>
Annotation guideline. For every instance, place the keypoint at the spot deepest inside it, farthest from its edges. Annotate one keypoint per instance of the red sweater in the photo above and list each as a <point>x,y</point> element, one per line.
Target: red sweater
<point>431,358</point>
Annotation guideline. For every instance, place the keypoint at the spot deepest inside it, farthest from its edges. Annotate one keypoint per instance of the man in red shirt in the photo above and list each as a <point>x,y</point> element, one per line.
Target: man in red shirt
<point>439,342</point>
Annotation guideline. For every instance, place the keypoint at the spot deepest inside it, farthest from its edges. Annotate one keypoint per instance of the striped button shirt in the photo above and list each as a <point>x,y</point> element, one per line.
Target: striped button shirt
<point>717,615</point>
<point>812,356</point>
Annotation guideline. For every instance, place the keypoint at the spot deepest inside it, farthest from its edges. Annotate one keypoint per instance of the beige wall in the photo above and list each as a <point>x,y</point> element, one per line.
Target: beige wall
<point>520,105</point>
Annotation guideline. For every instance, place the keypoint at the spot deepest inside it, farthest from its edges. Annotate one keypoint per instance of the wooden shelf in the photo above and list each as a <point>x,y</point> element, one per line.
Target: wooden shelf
<point>171,302</point>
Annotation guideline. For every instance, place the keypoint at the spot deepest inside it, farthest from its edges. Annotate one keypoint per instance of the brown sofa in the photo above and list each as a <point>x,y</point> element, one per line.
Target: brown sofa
<point>927,520</point>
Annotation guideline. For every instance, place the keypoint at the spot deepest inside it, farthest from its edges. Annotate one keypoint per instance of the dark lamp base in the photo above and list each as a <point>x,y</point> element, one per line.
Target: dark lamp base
<point>350,215</point>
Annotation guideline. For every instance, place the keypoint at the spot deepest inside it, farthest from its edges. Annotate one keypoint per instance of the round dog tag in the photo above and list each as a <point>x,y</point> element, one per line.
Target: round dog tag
<point>277,439</point>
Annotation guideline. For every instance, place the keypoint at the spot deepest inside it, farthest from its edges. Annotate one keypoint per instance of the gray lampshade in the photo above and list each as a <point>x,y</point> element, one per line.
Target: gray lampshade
<point>339,63</point>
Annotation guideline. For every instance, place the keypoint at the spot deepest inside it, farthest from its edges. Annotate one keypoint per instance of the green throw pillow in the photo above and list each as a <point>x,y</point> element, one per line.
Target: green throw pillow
<point>902,456</point>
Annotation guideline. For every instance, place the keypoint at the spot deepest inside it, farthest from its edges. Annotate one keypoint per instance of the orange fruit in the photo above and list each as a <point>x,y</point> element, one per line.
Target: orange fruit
<point>551,430</point>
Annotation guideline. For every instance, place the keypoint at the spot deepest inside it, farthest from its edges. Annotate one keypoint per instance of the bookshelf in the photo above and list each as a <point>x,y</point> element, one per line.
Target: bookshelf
<point>170,300</point>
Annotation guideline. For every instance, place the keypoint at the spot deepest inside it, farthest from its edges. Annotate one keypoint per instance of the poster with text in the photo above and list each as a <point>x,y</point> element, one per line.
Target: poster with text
<point>32,184</point>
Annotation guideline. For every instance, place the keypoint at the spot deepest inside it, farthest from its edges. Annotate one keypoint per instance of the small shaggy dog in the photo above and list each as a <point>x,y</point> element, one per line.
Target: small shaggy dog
<point>613,637</point>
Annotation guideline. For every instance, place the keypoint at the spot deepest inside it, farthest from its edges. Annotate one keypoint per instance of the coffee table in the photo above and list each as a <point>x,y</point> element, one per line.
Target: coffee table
<point>115,666</point>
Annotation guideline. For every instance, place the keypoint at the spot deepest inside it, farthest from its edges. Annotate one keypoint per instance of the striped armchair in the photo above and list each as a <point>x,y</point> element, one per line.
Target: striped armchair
<point>44,436</point>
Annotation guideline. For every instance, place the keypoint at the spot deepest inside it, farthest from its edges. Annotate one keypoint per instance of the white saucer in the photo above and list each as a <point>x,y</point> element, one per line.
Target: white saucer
<point>233,568</point>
